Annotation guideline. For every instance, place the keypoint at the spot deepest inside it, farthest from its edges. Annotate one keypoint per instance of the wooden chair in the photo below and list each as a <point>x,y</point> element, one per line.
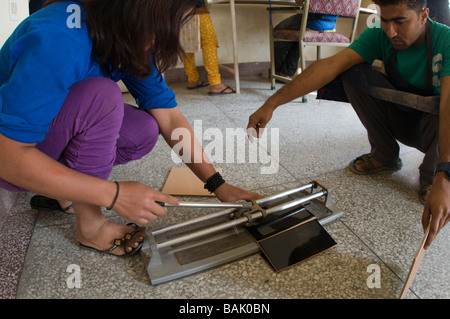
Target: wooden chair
<point>342,8</point>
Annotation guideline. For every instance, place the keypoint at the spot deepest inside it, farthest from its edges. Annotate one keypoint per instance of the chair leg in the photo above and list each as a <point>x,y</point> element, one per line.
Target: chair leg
<point>272,55</point>
<point>272,82</point>
<point>303,65</point>
<point>272,65</point>
<point>272,70</point>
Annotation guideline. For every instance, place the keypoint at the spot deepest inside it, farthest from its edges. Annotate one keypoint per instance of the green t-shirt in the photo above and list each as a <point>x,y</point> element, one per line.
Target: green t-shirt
<point>373,44</point>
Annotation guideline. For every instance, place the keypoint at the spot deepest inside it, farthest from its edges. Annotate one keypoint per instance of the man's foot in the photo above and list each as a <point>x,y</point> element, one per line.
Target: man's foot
<point>286,76</point>
<point>111,238</point>
<point>366,165</point>
<point>362,166</point>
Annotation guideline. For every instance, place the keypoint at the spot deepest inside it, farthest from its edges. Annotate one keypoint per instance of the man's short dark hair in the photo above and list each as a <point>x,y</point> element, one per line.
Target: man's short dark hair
<point>417,5</point>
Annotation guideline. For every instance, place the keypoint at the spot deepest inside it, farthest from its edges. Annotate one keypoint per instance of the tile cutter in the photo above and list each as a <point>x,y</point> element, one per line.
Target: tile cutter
<point>195,245</point>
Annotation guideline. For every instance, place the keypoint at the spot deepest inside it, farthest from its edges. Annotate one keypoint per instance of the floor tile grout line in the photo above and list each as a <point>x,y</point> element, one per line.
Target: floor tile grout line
<point>375,254</point>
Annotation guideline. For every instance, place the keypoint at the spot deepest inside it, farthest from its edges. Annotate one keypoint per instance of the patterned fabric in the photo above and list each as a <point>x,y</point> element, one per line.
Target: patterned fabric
<point>312,36</point>
<point>190,35</point>
<point>208,46</point>
<point>347,8</point>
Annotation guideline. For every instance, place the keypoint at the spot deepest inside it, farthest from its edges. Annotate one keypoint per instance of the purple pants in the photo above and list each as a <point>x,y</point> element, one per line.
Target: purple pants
<point>95,130</point>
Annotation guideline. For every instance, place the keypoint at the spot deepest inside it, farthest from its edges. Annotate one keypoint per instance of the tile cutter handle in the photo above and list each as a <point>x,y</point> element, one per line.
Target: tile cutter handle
<point>207,205</point>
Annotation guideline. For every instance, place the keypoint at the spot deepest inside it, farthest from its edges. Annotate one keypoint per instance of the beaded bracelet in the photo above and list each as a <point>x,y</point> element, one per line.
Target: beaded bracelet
<point>214,182</point>
<point>115,197</point>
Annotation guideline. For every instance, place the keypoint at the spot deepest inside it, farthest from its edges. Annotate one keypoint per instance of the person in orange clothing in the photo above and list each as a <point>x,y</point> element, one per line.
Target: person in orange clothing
<point>200,30</point>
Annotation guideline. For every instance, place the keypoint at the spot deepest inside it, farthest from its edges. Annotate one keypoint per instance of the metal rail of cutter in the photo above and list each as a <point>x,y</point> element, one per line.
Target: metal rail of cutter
<point>162,266</point>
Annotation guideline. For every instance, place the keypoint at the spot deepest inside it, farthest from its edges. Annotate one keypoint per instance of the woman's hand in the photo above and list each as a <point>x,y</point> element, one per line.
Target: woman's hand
<point>230,194</point>
<point>136,202</point>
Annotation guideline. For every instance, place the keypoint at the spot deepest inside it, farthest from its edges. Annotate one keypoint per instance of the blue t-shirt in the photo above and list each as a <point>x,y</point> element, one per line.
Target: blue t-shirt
<point>39,62</point>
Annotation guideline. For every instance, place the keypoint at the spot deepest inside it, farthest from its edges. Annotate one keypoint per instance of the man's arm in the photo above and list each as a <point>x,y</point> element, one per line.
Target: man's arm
<point>312,78</point>
<point>437,205</point>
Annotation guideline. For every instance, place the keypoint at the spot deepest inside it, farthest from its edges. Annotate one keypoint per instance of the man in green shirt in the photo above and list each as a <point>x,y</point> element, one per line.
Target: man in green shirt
<point>415,52</point>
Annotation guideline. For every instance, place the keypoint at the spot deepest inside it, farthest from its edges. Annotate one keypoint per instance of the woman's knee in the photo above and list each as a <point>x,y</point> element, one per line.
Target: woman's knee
<point>138,135</point>
<point>98,97</point>
<point>150,133</point>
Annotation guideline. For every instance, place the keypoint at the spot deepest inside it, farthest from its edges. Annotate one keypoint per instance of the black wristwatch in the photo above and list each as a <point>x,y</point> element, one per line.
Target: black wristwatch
<point>444,167</point>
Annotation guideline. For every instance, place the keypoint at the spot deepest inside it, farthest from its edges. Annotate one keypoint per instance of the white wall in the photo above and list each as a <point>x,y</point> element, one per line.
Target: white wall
<point>7,26</point>
<point>252,28</point>
<point>253,32</point>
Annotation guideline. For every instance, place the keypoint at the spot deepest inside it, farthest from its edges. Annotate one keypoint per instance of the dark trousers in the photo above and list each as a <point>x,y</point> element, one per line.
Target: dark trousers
<point>386,124</point>
<point>287,53</point>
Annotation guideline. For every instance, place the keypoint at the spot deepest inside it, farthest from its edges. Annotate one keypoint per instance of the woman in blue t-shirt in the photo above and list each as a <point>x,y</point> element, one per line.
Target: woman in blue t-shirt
<point>63,122</point>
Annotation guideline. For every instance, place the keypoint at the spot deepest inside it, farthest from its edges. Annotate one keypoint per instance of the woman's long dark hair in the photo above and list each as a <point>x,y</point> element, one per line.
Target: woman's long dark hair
<point>125,32</point>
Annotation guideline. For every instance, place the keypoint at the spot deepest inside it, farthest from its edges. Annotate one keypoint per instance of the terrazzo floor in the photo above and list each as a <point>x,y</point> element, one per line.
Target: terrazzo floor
<point>380,227</point>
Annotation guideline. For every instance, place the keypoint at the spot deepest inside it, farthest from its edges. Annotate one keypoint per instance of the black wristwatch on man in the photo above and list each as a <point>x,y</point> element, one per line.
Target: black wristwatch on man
<point>443,167</point>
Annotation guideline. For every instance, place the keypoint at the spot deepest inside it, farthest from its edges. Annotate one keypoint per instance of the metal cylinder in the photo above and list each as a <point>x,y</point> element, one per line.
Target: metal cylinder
<point>295,203</point>
<point>237,222</point>
<point>191,222</point>
<point>204,232</point>
<point>265,200</point>
<point>208,205</point>
<point>203,218</point>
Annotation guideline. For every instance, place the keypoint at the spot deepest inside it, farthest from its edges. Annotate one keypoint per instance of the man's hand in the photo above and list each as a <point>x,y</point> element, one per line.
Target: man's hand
<point>312,78</point>
<point>437,207</point>
<point>258,121</point>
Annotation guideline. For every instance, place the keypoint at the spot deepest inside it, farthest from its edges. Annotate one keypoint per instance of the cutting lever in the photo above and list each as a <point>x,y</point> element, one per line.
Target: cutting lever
<point>207,205</point>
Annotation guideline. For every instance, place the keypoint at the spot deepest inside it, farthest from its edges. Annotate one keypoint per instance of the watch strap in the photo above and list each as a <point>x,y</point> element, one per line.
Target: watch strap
<point>443,167</point>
